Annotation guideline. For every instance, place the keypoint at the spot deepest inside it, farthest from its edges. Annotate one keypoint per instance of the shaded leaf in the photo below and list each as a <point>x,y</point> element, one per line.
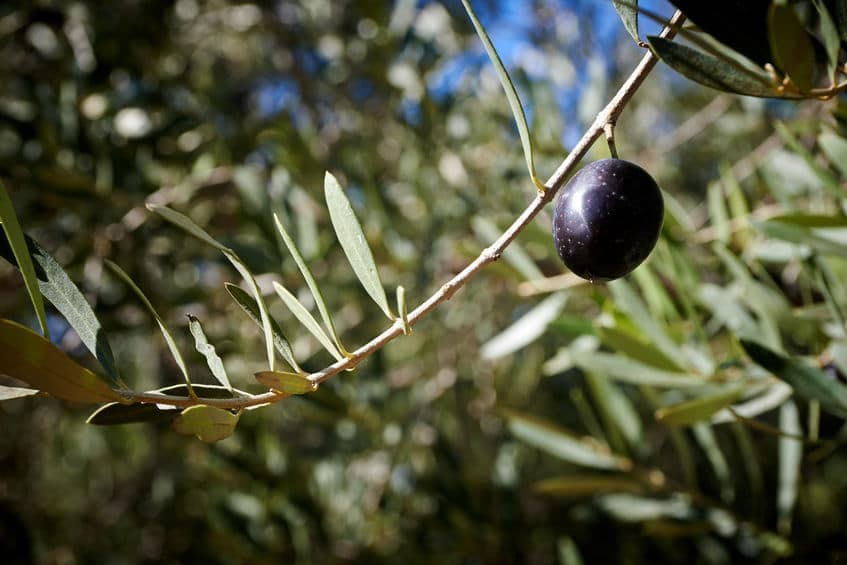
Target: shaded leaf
<point>831,40</point>
<point>808,382</point>
<point>559,443</point>
<point>525,330</point>
<point>791,45</point>
<point>310,282</point>
<point>811,220</point>
<point>585,485</point>
<point>12,392</point>
<point>700,408</point>
<point>511,94</point>
<point>739,24</point>
<point>207,423</point>
<point>718,213</point>
<point>17,242</point>
<point>33,359</point>
<point>184,222</point>
<point>169,340</point>
<point>57,287</point>
<point>705,436</point>
<point>619,415</point>
<point>281,343</point>
<point>352,240</point>
<point>628,12</point>
<point>307,320</point>
<point>288,383</point>
<point>115,414</point>
<point>202,345</point>
<point>711,71</point>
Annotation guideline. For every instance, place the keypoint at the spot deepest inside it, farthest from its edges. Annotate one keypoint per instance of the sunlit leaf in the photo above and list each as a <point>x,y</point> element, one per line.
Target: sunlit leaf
<point>812,159</point>
<point>623,369</point>
<point>17,242</point>
<point>773,397</point>
<point>808,382</point>
<point>246,302</point>
<point>352,240</point>
<point>803,236</point>
<point>169,340</point>
<point>559,443</point>
<point>811,220</point>
<point>700,408</point>
<point>57,287</point>
<point>835,149</point>
<point>633,508</point>
<point>207,423</point>
<point>628,12</point>
<point>288,383</point>
<point>791,45</point>
<point>511,94</point>
<point>829,33</point>
<point>790,458</point>
<point>585,485</point>
<point>310,282</point>
<point>184,222</point>
<point>711,71</point>
<point>307,320</point>
<point>202,345</point>
<point>31,358</point>
<point>525,330</point>
<point>12,392</point>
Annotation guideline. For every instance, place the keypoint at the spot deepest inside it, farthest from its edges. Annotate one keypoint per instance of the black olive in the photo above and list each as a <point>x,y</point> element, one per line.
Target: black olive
<point>607,219</point>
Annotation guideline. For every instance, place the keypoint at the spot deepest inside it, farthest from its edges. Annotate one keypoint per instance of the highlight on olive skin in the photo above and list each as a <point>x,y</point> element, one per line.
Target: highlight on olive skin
<point>608,219</point>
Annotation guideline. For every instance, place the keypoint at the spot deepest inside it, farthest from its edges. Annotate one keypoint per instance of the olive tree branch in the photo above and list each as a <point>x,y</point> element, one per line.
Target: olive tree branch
<point>608,115</point>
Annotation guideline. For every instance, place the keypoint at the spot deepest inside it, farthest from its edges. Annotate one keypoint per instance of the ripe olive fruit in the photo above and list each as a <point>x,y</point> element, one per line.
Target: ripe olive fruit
<point>607,219</point>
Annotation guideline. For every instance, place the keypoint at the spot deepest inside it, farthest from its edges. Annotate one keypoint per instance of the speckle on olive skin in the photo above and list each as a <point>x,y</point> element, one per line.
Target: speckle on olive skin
<point>608,219</point>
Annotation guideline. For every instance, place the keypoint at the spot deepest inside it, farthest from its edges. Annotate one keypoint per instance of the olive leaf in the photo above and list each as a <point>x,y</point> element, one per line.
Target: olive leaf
<point>169,340</point>
<point>213,360</point>
<point>33,359</point>
<point>288,383</point>
<point>791,45</point>
<point>711,71</point>
<point>511,94</point>
<point>808,382</point>
<point>281,343</point>
<point>310,282</point>
<point>184,222</point>
<point>207,423</point>
<point>12,392</point>
<point>700,408</point>
<point>17,242</point>
<point>57,287</point>
<point>305,318</point>
<point>561,444</point>
<point>352,240</point>
<point>628,12</point>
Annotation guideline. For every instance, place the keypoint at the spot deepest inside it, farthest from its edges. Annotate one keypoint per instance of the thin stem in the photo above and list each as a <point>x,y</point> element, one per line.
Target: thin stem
<point>608,115</point>
<point>609,130</point>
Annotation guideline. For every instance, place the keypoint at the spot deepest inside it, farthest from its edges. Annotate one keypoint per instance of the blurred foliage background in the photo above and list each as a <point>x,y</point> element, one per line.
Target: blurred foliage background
<point>230,111</point>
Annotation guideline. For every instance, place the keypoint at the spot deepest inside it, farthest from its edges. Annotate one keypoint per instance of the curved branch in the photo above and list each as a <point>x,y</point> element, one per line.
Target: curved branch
<point>608,115</point>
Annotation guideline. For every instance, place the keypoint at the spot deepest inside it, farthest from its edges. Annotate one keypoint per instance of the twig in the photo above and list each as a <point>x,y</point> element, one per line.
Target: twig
<point>608,115</point>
